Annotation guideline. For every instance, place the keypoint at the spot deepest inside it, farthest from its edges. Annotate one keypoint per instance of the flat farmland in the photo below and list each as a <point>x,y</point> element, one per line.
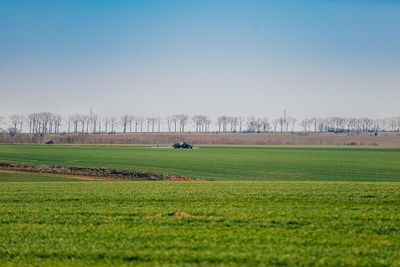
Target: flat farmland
<point>224,162</point>
<point>228,223</point>
<point>267,206</point>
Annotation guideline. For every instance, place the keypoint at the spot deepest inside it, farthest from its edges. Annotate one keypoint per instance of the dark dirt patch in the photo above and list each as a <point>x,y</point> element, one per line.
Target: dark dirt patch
<point>93,172</point>
<point>180,214</point>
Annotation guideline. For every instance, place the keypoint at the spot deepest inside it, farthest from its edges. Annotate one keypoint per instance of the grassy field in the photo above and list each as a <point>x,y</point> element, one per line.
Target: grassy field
<point>306,206</point>
<point>7,176</point>
<point>230,223</point>
<point>225,162</point>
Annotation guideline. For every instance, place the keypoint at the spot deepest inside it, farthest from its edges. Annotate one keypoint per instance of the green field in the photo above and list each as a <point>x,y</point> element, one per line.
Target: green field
<point>306,206</point>
<point>225,162</point>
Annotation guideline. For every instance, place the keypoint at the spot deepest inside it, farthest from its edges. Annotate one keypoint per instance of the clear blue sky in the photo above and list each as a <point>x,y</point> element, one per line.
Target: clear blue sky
<point>326,57</point>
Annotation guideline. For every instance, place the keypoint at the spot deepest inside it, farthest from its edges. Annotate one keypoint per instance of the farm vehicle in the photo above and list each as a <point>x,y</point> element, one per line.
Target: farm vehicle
<point>185,145</point>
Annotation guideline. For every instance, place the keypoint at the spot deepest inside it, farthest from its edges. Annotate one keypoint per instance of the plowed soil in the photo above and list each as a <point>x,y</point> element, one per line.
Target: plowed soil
<point>111,174</point>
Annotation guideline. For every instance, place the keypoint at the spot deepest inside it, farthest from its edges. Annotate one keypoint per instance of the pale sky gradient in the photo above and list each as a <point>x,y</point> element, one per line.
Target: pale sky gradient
<point>314,58</point>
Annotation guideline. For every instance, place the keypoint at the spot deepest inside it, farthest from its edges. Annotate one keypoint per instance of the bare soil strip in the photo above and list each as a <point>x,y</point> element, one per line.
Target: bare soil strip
<point>95,173</point>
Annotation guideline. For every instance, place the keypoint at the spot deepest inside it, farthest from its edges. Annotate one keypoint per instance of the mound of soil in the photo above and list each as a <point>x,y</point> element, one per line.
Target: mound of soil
<point>93,172</point>
<point>180,214</point>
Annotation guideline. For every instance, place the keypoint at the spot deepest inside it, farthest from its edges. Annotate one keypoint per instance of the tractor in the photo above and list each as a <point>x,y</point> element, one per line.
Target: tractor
<point>185,145</point>
<point>177,145</point>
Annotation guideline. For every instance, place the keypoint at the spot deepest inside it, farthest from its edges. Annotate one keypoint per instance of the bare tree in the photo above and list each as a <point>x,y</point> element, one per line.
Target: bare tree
<point>31,122</point>
<point>106,122</point>
<point>182,119</point>
<point>219,123</point>
<point>175,121</point>
<point>169,123</point>
<point>265,124</point>
<point>14,121</point>
<point>291,122</point>
<point>112,121</point>
<point>44,118</point>
<point>275,124</point>
<point>82,120</point>
<point>141,121</point>
<point>124,121</point>
<point>138,121</point>
<point>200,122</point>
<point>207,125</point>
<point>282,123</point>
<point>75,120</point>
<point>148,121</point>
<point>21,122</point>
<point>306,123</point>
<point>241,120</point>
<point>315,122</point>
<point>205,122</point>
<point>251,124</point>
<point>131,118</point>
<point>57,120</point>
<point>152,121</point>
<point>222,123</point>
<point>258,125</point>
<point>95,120</point>
<point>158,120</point>
<point>233,122</point>
<point>99,121</point>
<point>135,120</point>
<point>197,121</point>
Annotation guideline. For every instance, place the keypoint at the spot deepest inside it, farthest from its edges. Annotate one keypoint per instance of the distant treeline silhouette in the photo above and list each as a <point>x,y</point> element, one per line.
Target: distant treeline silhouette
<point>43,123</point>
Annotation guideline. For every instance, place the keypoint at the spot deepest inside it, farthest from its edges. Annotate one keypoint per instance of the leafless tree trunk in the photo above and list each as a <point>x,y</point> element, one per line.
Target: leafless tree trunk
<point>112,121</point>
<point>106,121</point>
<point>95,119</point>
<point>175,120</point>
<point>291,121</point>
<point>275,124</point>
<point>124,121</point>
<point>169,122</point>
<point>241,121</point>
<point>159,124</point>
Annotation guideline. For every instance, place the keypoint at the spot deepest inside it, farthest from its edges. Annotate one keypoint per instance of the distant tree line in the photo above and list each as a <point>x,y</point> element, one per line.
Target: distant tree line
<point>43,123</point>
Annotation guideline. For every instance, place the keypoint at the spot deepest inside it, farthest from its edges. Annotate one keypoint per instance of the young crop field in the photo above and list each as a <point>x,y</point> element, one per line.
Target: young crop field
<point>268,206</point>
<point>199,223</point>
<point>224,162</point>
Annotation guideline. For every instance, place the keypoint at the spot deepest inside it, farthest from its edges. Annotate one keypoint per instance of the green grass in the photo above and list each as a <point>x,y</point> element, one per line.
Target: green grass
<point>233,223</point>
<point>225,162</point>
<point>306,206</point>
<point>6,176</point>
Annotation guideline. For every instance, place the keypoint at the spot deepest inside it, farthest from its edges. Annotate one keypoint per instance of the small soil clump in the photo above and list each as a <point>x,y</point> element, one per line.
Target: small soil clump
<point>180,214</point>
